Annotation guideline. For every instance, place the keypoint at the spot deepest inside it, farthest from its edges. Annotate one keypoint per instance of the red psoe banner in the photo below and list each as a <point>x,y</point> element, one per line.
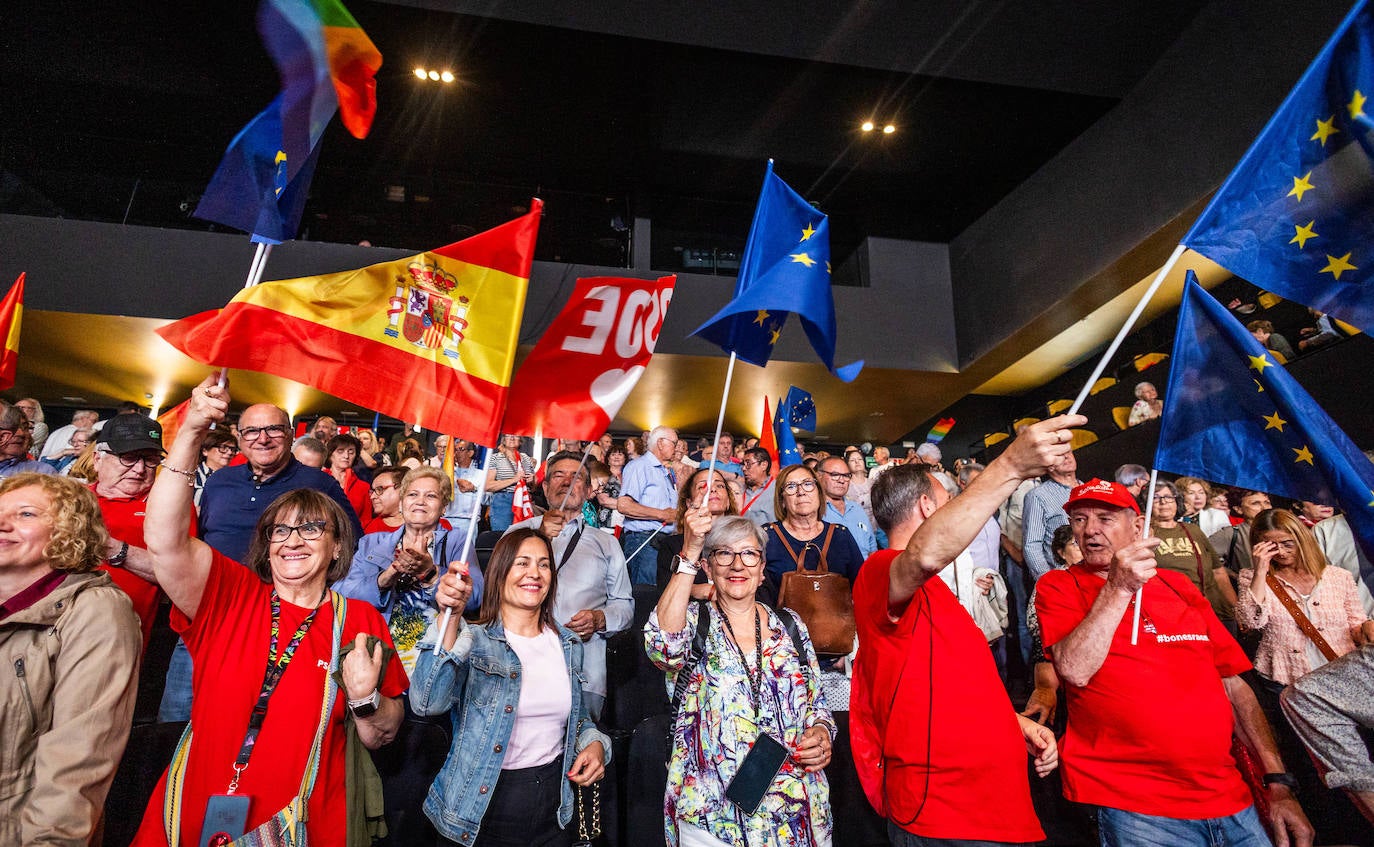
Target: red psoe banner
<point>589,359</point>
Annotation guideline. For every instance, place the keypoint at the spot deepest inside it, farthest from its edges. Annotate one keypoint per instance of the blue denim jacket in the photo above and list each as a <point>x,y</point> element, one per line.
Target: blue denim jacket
<point>478,684</point>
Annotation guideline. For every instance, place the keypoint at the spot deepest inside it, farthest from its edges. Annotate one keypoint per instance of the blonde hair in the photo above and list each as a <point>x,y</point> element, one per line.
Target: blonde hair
<point>1310,556</point>
<point>79,541</point>
<point>83,467</point>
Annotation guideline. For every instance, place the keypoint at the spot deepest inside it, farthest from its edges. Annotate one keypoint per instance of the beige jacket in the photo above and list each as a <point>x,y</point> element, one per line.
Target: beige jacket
<point>70,676</point>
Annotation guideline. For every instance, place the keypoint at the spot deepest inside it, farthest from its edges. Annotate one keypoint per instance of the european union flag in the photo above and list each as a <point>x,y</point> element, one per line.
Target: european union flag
<point>1296,216</point>
<point>785,270</point>
<point>1233,415</point>
<point>801,410</point>
<point>788,454</point>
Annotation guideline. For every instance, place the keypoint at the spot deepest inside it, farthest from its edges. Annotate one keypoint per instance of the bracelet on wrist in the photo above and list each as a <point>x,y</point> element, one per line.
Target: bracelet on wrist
<point>190,475</point>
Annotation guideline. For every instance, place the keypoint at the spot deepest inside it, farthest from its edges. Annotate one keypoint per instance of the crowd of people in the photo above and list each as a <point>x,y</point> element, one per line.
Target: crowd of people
<point>855,648</point>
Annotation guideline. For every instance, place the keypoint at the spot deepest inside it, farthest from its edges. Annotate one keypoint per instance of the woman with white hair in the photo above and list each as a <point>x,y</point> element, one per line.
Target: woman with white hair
<point>1147,404</point>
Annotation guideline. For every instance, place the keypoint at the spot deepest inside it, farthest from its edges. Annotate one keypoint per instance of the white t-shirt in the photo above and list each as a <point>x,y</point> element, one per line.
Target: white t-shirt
<point>541,718</point>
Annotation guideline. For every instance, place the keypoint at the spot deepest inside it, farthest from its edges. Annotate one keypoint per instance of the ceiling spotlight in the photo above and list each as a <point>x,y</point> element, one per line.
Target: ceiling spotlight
<point>434,75</point>
<point>889,129</point>
<point>446,76</point>
<point>866,126</point>
<point>420,73</point>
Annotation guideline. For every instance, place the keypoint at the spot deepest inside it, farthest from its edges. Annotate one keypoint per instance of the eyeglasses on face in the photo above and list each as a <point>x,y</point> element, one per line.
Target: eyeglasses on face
<point>838,476</point>
<point>226,449</point>
<point>272,432</point>
<point>724,558</point>
<point>1165,498</point>
<point>128,460</point>
<point>1286,545</point>
<point>804,485</point>
<point>308,531</point>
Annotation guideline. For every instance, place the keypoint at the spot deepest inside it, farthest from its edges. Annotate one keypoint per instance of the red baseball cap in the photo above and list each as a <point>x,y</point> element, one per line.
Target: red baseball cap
<point>1100,492</point>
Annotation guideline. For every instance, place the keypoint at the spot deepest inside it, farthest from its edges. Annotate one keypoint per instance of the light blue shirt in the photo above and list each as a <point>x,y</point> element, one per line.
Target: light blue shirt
<point>647,482</point>
<point>854,519</point>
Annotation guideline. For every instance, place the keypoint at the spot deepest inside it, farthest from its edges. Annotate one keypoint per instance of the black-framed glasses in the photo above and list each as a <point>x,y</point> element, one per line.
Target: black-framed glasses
<point>253,433</point>
<point>308,531</point>
<point>1165,498</point>
<point>724,558</point>
<point>838,476</point>
<point>128,460</point>
<point>227,449</point>
<point>804,485</point>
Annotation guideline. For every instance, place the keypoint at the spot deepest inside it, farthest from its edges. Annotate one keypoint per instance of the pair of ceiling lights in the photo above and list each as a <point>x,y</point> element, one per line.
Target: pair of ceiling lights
<point>869,126</point>
<point>428,75</point>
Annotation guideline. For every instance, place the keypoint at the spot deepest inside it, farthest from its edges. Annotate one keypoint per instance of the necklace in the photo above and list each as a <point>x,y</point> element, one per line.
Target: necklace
<point>755,676</point>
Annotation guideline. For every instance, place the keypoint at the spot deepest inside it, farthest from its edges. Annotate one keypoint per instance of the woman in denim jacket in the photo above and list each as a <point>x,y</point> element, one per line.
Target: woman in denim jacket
<point>517,749</point>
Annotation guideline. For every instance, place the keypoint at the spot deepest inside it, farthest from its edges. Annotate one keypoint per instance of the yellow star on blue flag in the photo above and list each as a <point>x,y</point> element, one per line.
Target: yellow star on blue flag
<point>1294,182</point>
<point>1278,440</point>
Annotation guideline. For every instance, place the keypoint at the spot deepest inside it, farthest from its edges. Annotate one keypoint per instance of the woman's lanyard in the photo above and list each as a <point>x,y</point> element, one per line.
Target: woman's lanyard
<point>276,666</point>
<point>756,676</point>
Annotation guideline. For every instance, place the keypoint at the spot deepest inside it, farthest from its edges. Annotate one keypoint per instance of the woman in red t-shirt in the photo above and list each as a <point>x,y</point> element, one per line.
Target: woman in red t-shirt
<point>262,640</point>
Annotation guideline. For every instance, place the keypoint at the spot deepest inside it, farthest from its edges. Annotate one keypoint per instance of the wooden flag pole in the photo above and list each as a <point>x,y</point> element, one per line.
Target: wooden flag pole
<point>1140,592</point>
<point>468,543</point>
<point>1126,327</point>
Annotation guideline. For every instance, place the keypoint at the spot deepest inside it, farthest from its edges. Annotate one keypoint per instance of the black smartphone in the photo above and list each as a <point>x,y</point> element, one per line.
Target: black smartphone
<point>225,817</point>
<point>756,773</point>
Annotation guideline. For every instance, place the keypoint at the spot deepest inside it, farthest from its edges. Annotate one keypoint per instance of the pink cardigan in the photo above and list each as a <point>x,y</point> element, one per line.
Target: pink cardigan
<point>1334,609</point>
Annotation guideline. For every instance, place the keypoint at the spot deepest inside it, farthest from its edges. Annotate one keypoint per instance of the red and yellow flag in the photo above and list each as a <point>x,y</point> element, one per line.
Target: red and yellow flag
<point>429,339</point>
<point>768,440</point>
<point>11,316</point>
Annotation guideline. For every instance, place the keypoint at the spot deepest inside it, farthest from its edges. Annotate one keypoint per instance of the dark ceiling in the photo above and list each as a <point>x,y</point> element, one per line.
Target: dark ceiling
<point>121,111</point>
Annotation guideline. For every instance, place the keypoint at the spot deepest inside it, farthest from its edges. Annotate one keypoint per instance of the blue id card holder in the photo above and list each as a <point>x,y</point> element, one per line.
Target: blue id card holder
<point>226,815</point>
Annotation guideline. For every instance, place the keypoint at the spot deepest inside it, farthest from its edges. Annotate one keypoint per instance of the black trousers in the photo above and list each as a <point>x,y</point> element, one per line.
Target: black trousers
<point>523,811</point>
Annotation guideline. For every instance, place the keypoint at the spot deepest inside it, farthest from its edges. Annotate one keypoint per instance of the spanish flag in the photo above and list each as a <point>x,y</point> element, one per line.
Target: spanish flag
<point>11,316</point>
<point>429,339</point>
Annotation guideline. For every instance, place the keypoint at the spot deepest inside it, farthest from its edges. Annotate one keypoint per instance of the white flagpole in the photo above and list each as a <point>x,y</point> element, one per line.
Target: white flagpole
<point>1126,327</point>
<point>580,465</point>
<point>255,269</point>
<point>1140,592</point>
<point>468,543</point>
<point>720,422</point>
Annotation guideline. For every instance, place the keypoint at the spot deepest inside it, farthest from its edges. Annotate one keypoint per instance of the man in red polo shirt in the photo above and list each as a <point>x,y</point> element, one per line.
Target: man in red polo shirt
<point>1150,723</point>
<point>939,749</point>
<point>127,454</point>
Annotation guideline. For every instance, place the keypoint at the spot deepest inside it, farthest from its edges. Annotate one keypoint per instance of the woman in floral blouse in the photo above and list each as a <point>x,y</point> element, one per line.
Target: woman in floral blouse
<point>750,681</point>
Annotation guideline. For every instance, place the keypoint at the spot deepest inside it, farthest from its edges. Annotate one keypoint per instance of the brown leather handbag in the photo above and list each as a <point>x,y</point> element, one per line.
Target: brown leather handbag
<point>822,599</point>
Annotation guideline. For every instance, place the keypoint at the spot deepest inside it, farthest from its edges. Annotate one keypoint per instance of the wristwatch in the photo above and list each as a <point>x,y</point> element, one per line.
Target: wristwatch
<point>687,566</point>
<point>1286,779</point>
<point>366,707</point>
<point>118,559</point>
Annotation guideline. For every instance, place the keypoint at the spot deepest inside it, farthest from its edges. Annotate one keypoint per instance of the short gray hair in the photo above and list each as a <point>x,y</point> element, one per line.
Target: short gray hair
<point>926,451</point>
<point>729,529</point>
<point>659,432</point>
<point>1132,474</point>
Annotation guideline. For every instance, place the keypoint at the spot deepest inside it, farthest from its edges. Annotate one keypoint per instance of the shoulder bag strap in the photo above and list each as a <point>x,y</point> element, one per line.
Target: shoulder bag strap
<point>824,566</point>
<point>796,557</point>
<point>1197,554</point>
<point>331,691</point>
<point>171,797</point>
<point>694,655</point>
<point>1299,617</point>
<point>789,623</point>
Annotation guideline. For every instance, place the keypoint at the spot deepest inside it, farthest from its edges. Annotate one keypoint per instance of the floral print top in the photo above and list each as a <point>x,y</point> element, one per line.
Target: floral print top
<point>717,725</point>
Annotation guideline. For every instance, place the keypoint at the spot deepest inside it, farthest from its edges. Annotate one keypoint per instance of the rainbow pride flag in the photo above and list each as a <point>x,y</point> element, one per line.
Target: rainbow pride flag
<point>327,64</point>
<point>429,339</point>
<point>940,430</point>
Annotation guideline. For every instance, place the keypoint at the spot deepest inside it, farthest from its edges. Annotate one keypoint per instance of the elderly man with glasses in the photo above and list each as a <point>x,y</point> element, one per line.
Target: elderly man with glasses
<point>16,436</point>
<point>839,508</point>
<point>231,503</point>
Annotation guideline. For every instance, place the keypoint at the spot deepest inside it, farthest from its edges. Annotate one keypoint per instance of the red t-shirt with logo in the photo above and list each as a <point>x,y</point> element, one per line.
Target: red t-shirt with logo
<point>936,741</point>
<point>229,641</point>
<point>124,520</point>
<point>1151,732</point>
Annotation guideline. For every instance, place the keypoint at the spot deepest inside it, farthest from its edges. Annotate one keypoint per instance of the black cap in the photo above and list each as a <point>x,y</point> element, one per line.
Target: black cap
<point>127,433</point>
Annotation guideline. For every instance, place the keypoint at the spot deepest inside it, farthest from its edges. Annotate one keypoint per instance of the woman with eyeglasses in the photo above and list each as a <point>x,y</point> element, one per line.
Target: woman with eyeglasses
<point>1183,548</point>
<point>218,451</point>
<point>268,638</point>
<point>799,538</point>
<point>397,572</point>
<point>749,681</point>
<point>720,501</point>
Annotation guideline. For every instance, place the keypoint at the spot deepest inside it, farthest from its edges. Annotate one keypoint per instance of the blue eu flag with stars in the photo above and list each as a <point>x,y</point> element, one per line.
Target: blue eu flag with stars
<point>801,410</point>
<point>1296,216</point>
<point>788,452</point>
<point>785,270</point>
<point>1233,415</point>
